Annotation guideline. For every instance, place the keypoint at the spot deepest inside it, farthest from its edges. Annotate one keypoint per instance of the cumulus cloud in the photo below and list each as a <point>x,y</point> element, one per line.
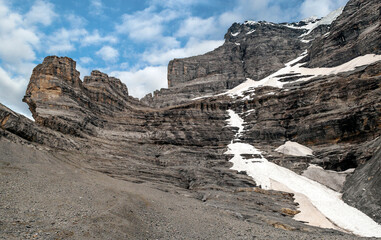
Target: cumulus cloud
<point>66,40</point>
<point>146,25</point>
<point>17,41</point>
<point>269,10</point>
<point>63,40</point>
<point>192,48</point>
<point>96,7</point>
<point>108,54</point>
<point>11,91</point>
<point>143,81</point>
<point>85,60</point>
<point>41,12</point>
<point>95,38</point>
<point>198,27</point>
<point>320,8</point>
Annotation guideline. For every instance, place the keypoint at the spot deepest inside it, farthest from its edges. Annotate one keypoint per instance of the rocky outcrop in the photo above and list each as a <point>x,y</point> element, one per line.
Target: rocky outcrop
<point>22,130</point>
<point>177,145</point>
<point>362,189</point>
<point>55,97</point>
<point>58,98</point>
<point>251,50</point>
<point>355,32</point>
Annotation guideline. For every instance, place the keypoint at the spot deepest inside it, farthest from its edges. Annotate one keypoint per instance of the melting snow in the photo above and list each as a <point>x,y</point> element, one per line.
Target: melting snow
<point>294,149</point>
<point>304,73</point>
<point>235,34</point>
<point>269,176</point>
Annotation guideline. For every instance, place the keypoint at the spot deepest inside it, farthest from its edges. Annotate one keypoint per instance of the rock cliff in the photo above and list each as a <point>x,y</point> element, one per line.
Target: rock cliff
<point>356,32</point>
<point>176,145</point>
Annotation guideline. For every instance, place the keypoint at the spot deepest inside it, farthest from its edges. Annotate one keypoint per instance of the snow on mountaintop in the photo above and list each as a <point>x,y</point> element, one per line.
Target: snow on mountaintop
<point>327,20</point>
<point>249,22</point>
<point>310,19</point>
<point>313,22</point>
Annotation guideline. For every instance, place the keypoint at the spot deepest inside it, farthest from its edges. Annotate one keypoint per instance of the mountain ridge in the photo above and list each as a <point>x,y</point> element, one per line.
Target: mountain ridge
<point>175,143</point>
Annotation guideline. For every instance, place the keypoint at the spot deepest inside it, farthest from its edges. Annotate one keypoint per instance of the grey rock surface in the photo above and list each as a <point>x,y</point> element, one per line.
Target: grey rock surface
<point>362,189</point>
<point>159,163</point>
<point>355,32</point>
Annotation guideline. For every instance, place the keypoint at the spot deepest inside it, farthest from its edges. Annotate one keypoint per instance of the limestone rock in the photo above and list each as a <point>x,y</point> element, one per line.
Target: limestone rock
<point>355,32</point>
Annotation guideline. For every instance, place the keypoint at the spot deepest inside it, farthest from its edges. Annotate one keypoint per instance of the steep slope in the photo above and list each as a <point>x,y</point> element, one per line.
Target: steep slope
<point>356,32</point>
<point>251,49</point>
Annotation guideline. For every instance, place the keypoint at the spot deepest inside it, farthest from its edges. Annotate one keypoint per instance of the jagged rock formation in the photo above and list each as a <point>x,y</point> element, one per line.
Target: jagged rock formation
<point>177,145</point>
<point>356,32</point>
<point>248,52</point>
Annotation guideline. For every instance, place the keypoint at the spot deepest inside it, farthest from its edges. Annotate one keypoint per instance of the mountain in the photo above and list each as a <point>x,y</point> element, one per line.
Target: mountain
<point>285,99</point>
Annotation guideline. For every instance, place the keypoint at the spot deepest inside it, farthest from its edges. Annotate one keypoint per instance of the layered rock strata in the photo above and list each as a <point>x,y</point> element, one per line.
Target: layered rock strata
<point>355,32</point>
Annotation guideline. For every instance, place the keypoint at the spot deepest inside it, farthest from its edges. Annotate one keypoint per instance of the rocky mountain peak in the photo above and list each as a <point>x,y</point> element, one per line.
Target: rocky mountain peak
<point>217,149</point>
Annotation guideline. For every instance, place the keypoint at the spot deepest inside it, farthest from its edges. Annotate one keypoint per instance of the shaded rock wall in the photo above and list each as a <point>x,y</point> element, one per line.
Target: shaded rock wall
<point>355,32</point>
<point>362,189</point>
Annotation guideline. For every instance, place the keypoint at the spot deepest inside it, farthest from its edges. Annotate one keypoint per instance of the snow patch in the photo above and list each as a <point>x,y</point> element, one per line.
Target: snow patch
<point>327,20</point>
<point>250,22</point>
<point>305,74</point>
<point>294,149</point>
<point>250,32</point>
<point>325,200</point>
<point>235,121</point>
<point>235,34</point>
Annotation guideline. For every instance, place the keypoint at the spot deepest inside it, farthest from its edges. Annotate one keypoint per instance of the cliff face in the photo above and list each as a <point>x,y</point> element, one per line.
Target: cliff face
<point>356,32</point>
<point>251,50</point>
<point>178,144</point>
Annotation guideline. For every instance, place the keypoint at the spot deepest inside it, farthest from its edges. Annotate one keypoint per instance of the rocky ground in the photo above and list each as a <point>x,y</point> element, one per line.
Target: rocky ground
<point>45,194</point>
<point>97,163</point>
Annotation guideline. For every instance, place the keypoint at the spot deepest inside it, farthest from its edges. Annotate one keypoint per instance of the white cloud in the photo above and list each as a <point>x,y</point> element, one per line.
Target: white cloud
<point>96,7</point>
<point>143,81</point>
<point>268,10</point>
<point>11,92</point>
<point>76,21</point>
<point>108,54</point>
<point>320,8</point>
<point>95,38</point>
<point>198,27</point>
<point>41,12</point>
<point>175,3</point>
<point>146,25</point>
<point>83,71</point>
<point>63,40</point>
<point>17,42</point>
<point>85,60</point>
<point>192,48</point>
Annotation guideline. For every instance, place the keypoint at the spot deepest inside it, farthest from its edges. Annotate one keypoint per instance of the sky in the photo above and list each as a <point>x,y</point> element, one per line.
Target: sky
<point>132,40</point>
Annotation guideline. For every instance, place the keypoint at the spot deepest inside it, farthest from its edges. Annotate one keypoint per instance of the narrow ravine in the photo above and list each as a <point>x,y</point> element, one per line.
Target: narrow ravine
<point>325,207</point>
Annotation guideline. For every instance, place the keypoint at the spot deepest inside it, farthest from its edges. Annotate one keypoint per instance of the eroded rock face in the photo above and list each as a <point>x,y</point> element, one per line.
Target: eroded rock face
<point>55,97</point>
<point>362,189</point>
<point>58,99</point>
<point>178,144</point>
<point>251,50</point>
<point>355,32</point>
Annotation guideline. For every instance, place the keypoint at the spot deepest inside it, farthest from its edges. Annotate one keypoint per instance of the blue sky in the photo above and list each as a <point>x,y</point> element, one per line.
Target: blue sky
<point>131,39</point>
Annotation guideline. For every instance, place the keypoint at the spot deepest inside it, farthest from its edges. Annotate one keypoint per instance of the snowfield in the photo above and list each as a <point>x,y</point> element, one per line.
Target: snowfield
<point>294,149</point>
<point>273,80</point>
<point>308,193</point>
